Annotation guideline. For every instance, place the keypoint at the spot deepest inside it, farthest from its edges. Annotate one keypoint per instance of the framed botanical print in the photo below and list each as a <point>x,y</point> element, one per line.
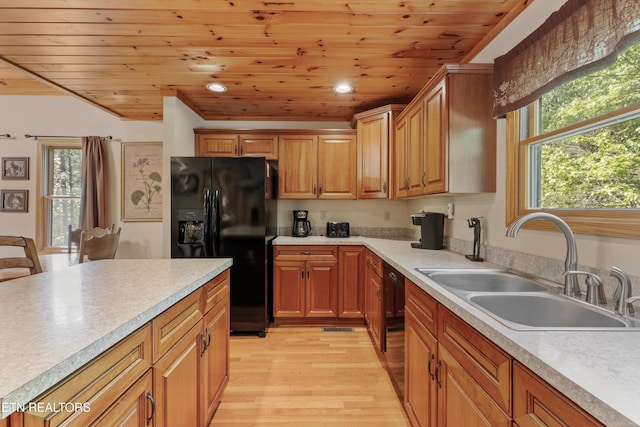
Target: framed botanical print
<point>15,168</point>
<point>141,181</point>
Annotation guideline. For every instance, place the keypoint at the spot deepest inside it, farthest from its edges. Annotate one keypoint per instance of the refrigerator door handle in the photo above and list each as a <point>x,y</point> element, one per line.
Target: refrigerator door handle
<point>206,205</point>
<point>215,221</point>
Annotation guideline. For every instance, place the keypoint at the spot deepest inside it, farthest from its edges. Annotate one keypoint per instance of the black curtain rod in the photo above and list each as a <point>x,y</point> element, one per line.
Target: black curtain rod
<point>59,136</point>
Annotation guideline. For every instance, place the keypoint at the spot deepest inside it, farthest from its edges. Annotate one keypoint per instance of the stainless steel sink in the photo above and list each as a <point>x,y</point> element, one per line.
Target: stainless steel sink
<point>524,303</point>
<point>547,311</point>
<point>488,280</point>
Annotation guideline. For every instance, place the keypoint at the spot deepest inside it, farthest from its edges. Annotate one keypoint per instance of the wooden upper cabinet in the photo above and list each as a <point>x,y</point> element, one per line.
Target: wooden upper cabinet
<point>227,143</point>
<point>336,167</point>
<point>317,166</point>
<point>297,174</point>
<point>375,137</point>
<point>259,146</point>
<point>448,135</point>
<point>435,178</point>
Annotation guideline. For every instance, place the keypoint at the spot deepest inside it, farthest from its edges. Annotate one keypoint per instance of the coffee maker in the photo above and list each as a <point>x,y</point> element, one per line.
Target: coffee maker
<point>301,226</point>
<point>431,230</point>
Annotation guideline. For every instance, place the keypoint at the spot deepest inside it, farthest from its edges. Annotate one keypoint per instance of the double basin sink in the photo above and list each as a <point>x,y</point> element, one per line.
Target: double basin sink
<point>525,303</point>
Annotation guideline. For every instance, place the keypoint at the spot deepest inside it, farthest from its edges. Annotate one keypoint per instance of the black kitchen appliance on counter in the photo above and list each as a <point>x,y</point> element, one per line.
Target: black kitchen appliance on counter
<point>226,207</point>
<point>337,229</point>
<point>431,230</point>
<point>301,225</point>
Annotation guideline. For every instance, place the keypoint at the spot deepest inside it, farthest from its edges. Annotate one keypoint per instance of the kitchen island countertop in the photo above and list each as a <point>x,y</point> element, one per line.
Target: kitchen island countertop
<point>598,370</point>
<point>53,323</point>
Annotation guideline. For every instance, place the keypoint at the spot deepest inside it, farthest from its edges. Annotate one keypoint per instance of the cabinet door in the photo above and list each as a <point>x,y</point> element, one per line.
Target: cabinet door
<point>297,164</point>
<point>259,146</point>
<point>222,145</point>
<point>400,158</point>
<point>288,289</point>
<point>322,289</point>
<point>176,382</point>
<point>536,403</point>
<point>415,151</point>
<point>373,148</point>
<point>375,309</point>
<point>351,272</point>
<point>435,116</point>
<point>133,409</point>
<point>420,387</point>
<point>337,167</point>
<point>461,400</point>
<point>215,363</point>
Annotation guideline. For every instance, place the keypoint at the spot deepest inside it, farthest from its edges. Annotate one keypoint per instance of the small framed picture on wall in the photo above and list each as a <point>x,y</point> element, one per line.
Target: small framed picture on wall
<point>15,168</point>
<point>14,200</point>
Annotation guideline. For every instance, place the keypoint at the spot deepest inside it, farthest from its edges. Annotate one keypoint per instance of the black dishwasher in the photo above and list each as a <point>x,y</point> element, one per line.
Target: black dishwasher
<point>394,326</point>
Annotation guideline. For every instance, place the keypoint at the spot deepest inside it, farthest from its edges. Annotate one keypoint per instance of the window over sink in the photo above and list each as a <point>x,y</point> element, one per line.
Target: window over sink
<point>575,151</point>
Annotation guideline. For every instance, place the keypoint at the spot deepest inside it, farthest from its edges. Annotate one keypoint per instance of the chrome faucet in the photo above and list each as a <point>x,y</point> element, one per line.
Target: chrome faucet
<point>622,298</point>
<point>571,287</point>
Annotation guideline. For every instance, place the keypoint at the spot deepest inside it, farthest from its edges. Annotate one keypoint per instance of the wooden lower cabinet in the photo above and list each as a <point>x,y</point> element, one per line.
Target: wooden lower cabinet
<point>170,372</point>
<point>351,273</point>
<point>177,378</point>
<point>441,385</point>
<point>135,408</point>
<point>536,403</point>
<point>215,358</point>
<point>305,284</point>
<point>374,301</point>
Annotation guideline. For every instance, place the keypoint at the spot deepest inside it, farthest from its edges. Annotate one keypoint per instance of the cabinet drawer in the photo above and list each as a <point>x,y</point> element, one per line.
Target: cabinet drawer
<point>422,305</point>
<point>486,363</point>
<point>304,253</point>
<point>98,384</point>
<point>375,263</point>
<point>215,290</point>
<point>173,323</point>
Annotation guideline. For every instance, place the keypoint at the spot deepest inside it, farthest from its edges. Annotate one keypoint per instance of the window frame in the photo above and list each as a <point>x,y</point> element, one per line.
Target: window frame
<point>42,190</point>
<point>624,223</point>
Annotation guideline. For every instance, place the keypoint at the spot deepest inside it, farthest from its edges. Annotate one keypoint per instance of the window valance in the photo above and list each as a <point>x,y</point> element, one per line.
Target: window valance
<point>580,37</point>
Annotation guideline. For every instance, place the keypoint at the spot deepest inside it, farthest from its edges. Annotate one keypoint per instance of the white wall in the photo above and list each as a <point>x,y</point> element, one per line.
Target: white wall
<point>63,115</point>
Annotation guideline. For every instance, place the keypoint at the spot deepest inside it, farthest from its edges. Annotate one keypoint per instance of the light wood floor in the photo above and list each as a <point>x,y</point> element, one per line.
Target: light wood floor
<point>301,376</point>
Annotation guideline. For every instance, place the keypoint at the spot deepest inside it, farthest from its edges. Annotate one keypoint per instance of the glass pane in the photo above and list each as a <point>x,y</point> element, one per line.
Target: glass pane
<point>595,169</point>
<point>67,172</point>
<point>606,90</point>
<point>62,212</point>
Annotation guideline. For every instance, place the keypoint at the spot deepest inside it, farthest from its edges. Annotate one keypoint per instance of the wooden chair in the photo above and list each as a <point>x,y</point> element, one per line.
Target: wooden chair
<point>30,261</point>
<point>74,235</point>
<point>98,244</point>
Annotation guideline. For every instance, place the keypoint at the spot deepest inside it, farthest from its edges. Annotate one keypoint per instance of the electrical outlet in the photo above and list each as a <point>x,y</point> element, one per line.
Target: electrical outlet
<point>450,210</point>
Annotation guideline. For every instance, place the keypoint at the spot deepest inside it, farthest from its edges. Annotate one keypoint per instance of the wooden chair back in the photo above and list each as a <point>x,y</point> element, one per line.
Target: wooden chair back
<point>30,259</point>
<point>74,235</point>
<point>96,244</point>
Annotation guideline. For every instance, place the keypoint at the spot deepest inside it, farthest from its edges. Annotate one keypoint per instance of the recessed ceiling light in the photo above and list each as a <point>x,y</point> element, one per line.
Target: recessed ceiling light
<point>343,88</point>
<point>216,87</point>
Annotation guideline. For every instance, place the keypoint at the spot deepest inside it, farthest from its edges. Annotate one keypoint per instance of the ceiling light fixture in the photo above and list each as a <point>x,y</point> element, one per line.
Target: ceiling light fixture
<point>343,88</point>
<point>216,87</point>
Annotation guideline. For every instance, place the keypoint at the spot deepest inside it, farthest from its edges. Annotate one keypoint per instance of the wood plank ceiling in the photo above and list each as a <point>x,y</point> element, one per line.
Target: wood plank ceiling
<point>279,60</point>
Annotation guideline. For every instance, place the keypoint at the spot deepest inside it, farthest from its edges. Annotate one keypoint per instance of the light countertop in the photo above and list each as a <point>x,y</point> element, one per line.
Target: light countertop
<point>598,370</point>
<point>53,323</point>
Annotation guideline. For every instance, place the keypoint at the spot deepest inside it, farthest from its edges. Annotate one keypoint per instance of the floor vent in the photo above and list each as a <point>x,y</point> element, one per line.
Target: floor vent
<point>336,329</point>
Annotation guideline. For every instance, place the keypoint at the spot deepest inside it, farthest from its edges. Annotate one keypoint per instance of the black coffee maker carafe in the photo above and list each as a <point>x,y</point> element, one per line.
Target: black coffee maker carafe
<point>301,226</point>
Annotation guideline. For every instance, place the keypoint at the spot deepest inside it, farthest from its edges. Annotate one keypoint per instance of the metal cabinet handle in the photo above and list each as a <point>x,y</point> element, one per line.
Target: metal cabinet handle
<point>241,150</point>
<point>314,188</point>
<point>305,252</point>
<point>393,276</point>
<point>320,189</point>
<point>424,174</point>
<point>308,272</point>
<point>431,358</point>
<point>303,273</point>
<point>437,373</point>
<point>384,187</point>
<point>208,337</point>
<point>149,397</point>
<point>204,344</point>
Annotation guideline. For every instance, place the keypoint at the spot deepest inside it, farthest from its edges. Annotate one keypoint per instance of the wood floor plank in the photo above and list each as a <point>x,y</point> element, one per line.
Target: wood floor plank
<point>301,376</point>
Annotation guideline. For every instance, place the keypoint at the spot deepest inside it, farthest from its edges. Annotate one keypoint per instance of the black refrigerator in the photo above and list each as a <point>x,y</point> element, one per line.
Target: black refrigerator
<point>226,207</point>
